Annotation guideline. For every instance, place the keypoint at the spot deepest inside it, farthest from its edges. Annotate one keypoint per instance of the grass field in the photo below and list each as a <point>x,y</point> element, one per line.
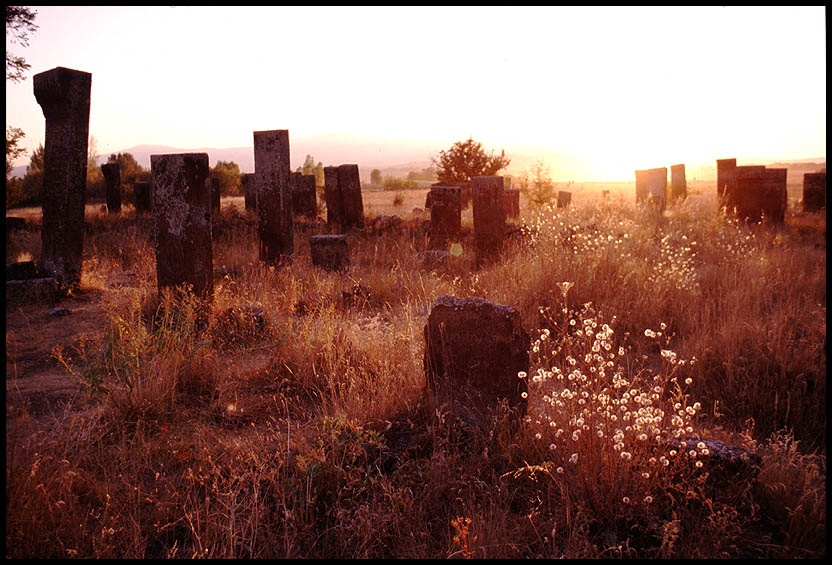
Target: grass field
<point>141,425</point>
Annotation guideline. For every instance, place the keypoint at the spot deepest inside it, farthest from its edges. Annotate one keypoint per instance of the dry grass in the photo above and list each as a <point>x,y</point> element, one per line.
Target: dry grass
<point>215,436</point>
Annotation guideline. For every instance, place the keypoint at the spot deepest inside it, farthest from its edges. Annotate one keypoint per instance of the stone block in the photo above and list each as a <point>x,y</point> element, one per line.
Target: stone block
<point>726,170</point>
<point>445,214</point>
<point>247,182</point>
<point>274,197</point>
<point>512,203</point>
<point>814,192</point>
<point>44,289</point>
<point>215,196</point>
<point>350,187</point>
<point>112,177</point>
<point>329,251</point>
<point>64,97</point>
<point>641,185</point>
<point>564,198</point>
<point>678,183</point>
<point>304,200</point>
<point>143,193</point>
<point>334,200</point>
<point>182,214</point>
<point>656,187</point>
<point>21,270</point>
<point>489,217</point>
<point>474,350</point>
<point>744,197</point>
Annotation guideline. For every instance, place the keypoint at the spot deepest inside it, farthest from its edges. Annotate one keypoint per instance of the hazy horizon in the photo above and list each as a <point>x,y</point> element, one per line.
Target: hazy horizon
<point>594,92</point>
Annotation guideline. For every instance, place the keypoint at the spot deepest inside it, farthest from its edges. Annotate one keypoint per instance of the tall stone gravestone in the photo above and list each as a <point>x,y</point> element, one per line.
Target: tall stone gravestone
<point>274,198</point>
<point>774,196</point>
<point>445,214</point>
<point>112,176</point>
<point>512,203</point>
<point>247,180</point>
<point>743,198</point>
<point>215,196</point>
<point>334,202</point>
<point>564,198</point>
<point>474,350</point>
<point>182,211</point>
<point>489,216</point>
<point>726,171</point>
<point>641,185</point>
<point>143,194</point>
<point>304,200</point>
<point>349,184</point>
<point>64,97</point>
<point>814,192</point>
<point>678,183</point>
<point>657,187</point>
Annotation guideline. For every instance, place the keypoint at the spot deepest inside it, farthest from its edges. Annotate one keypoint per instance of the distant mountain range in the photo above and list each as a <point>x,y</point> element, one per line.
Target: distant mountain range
<point>397,157</point>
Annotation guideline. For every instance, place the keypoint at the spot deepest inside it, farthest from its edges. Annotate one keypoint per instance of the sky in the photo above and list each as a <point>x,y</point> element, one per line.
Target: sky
<point>619,88</point>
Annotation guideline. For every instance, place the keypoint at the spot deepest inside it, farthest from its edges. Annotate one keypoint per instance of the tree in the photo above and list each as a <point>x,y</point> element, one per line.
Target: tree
<point>13,148</point>
<point>96,186</point>
<point>319,175</point>
<point>537,187</point>
<point>33,181</point>
<point>467,159</point>
<point>20,22</point>
<point>229,174</point>
<point>129,169</point>
<point>308,166</point>
<point>375,176</point>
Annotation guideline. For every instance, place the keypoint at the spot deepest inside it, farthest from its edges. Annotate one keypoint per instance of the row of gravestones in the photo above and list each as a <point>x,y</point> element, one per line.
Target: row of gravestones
<point>651,186</point>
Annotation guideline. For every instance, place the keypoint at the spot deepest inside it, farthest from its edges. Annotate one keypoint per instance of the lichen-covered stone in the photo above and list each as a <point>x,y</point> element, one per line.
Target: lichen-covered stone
<point>274,197</point>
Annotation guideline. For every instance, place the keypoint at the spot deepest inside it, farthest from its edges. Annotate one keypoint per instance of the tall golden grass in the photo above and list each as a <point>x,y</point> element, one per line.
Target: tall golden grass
<point>213,436</point>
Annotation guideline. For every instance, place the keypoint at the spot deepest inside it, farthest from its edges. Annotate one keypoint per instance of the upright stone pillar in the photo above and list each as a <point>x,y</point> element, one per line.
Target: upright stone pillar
<point>215,196</point>
<point>247,180</point>
<point>744,196</point>
<point>304,201</point>
<point>445,214</point>
<point>112,176</point>
<point>274,199</point>
<point>774,195</point>
<point>814,192</point>
<point>512,203</point>
<point>143,194</point>
<point>64,97</point>
<point>657,187</point>
<point>489,216</point>
<point>564,198</point>
<point>678,183</point>
<point>353,205</point>
<point>182,210</point>
<point>641,186</point>
<point>726,171</point>
<point>334,201</point>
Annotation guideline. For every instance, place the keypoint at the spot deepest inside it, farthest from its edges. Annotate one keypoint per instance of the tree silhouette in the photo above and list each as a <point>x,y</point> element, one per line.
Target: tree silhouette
<point>467,159</point>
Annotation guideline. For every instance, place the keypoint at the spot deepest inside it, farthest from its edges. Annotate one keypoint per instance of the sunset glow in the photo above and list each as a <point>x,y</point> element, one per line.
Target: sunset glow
<point>609,89</point>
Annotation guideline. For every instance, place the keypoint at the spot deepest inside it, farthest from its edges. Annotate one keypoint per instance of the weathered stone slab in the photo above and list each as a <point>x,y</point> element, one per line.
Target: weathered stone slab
<point>445,214</point>
<point>678,183</point>
<point>112,177</point>
<point>215,196</point>
<point>182,213</point>
<point>641,185</point>
<point>247,181</point>
<point>334,201</point>
<point>726,171</point>
<point>564,198</point>
<point>489,217</point>
<point>64,97</point>
<point>473,352</point>
<point>21,270</point>
<point>143,193</point>
<point>814,191</point>
<point>329,251</point>
<point>274,198</point>
<point>743,198</point>
<point>353,205</point>
<point>304,200</point>
<point>512,203</point>
<point>45,289</point>
<point>656,187</point>
<point>773,195</point>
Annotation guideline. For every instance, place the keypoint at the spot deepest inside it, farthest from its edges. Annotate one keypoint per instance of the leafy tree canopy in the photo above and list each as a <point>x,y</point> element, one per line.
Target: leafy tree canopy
<point>467,159</point>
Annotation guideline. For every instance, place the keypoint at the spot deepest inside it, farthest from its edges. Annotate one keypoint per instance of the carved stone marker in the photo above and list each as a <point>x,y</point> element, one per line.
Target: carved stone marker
<point>814,191</point>
<point>473,352</point>
<point>274,199</point>
<point>64,97</point>
<point>726,171</point>
<point>657,187</point>
<point>641,185</point>
<point>215,196</point>
<point>445,214</point>
<point>143,193</point>
<point>512,203</point>
<point>743,197</point>
<point>247,182</point>
<point>329,251</point>
<point>304,201</point>
<point>678,183</point>
<point>112,176</point>
<point>182,213</point>
<point>350,186</point>
<point>564,198</point>
<point>489,216</point>
<point>334,202</point>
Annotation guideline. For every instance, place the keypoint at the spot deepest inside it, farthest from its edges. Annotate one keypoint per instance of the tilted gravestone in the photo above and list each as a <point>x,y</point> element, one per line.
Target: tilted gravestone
<point>474,350</point>
<point>445,214</point>
<point>215,196</point>
<point>143,194</point>
<point>182,213</point>
<point>274,199</point>
<point>489,217</point>
<point>64,97</point>
<point>564,198</point>
<point>329,251</point>
<point>512,203</point>
<point>247,182</point>
<point>726,177</point>
<point>678,183</point>
<point>814,191</point>
<point>641,185</point>
<point>334,202</point>
<point>304,201</point>
<point>112,176</point>
<point>349,184</point>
